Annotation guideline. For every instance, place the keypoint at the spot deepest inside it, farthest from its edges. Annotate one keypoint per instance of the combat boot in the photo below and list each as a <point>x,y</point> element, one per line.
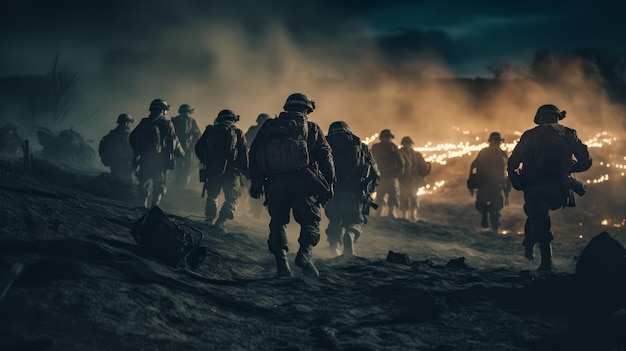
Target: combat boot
<point>546,257</point>
<point>304,260</point>
<point>348,244</point>
<point>335,249</point>
<point>529,251</point>
<point>220,224</point>
<point>392,212</point>
<point>484,221</point>
<point>282,266</point>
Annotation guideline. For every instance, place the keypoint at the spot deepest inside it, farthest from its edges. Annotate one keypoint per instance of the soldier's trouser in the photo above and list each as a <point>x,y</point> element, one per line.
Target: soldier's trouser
<point>231,185</point>
<point>408,196</point>
<point>151,180</point>
<point>539,200</point>
<point>285,193</point>
<point>183,171</point>
<point>343,212</point>
<point>492,201</point>
<point>388,186</point>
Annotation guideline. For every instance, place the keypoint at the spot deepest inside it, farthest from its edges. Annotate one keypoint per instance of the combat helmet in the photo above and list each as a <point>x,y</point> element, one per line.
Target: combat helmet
<point>262,118</point>
<point>406,140</point>
<point>227,115</point>
<point>297,101</point>
<point>159,104</point>
<point>495,136</point>
<point>125,118</point>
<point>386,133</point>
<point>338,127</point>
<point>548,114</point>
<point>186,108</point>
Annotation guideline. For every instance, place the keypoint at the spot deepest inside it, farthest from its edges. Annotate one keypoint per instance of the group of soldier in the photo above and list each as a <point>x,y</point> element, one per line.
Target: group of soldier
<point>541,165</point>
<point>297,169</point>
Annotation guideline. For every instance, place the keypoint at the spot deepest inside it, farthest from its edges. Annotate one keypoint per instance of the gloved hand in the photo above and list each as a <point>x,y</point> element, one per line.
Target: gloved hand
<point>472,192</point>
<point>256,188</point>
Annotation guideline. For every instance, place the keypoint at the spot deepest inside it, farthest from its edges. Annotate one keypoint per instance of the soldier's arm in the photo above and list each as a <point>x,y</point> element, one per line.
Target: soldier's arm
<point>517,155</point>
<point>369,160</point>
<point>256,143</point>
<point>175,147</point>
<point>583,159</point>
<point>195,131</point>
<point>323,155</point>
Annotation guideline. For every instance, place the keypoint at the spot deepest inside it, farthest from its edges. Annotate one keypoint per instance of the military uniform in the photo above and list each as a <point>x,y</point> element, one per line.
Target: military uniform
<point>224,170</point>
<point>490,164</point>
<point>188,134</point>
<point>289,191</point>
<point>345,210</point>
<point>390,164</point>
<point>545,191</point>
<point>410,180</point>
<point>115,151</point>
<point>256,205</point>
<point>154,161</point>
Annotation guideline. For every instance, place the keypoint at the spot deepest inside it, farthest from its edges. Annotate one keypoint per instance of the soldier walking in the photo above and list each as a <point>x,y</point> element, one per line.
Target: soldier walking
<point>188,134</point>
<point>115,151</point>
<point>155,147</point>
<point>547,153</point>
<point>291,162</point>
<point>390,164</point>
<point>357,176</point>
<point>415,169</point>
<point>493,186</point>
<point>223,150</point>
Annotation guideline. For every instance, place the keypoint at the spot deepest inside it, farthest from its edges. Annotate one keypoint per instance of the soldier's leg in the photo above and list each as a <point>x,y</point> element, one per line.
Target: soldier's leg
<point>278,200</point>
<point>537,227</point>
<point>495,207</point>
<point>159,188</point>
<point>232,190</point>
<point>482,205</point>
<point>334,231</point>
<point>213,189</point>
<point>143,192</point>
<point>353,222</point>
<point>306,212</point>
<point>394,195</point>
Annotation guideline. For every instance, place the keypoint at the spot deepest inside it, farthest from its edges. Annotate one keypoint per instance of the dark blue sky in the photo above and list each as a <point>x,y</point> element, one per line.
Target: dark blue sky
<point>465,35</point>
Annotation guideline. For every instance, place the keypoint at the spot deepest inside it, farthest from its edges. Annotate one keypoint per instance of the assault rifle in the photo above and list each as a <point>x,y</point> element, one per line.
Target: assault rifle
<point>369,182</point>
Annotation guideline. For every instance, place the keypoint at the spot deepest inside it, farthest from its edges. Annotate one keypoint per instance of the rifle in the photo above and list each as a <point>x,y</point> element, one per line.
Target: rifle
<point>368,185</point>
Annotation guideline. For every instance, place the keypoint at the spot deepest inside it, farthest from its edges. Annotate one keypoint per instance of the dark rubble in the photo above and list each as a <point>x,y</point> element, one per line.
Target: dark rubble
<point>88,286</point>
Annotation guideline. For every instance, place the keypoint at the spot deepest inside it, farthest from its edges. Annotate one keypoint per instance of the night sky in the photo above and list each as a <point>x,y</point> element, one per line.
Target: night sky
<point>249,55</point>
<point>465,35</point>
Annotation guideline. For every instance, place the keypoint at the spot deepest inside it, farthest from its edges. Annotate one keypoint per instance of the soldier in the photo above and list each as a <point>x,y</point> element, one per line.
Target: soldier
<point>291,161</point>
<point>357,175</point>
<point>222,148</point>
<point>494,187</point>
<point>155,146</point>
<point>188,134</point>
<point>256,206</point>
<point>391,165</point>
<point>115,151</point>
<point>415,169</point>
<point>546,154</point>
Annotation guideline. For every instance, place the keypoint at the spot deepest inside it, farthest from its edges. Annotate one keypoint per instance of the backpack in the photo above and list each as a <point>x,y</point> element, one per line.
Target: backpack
<point>347,154</point>
<point>423,167</point>
<point>553,156</point>
<point>162,237</point>
<point>387,158</point>
<point>105,150</point>
<point>284,147</point>
<point>217,144</point>
<point>148,137</point>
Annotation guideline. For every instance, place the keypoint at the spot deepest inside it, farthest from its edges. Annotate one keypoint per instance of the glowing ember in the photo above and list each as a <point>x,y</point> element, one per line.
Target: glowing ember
<point>604,222</point>
<point>580,236</point>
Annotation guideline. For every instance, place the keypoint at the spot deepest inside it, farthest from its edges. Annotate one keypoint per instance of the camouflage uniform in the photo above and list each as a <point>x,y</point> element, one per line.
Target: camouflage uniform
<point>287,191</point>
<point>410,180</point>
<point>345,210</point>
<point>224,174</point>
<point>116,152</point>
<point>490,164</point>
<point>188,134</point>
<point>544,192</point>
<point>390,164</point>
<point>152,165</point>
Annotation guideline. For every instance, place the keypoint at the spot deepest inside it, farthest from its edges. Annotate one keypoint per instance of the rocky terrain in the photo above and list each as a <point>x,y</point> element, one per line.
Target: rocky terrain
<point>445,285</point>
